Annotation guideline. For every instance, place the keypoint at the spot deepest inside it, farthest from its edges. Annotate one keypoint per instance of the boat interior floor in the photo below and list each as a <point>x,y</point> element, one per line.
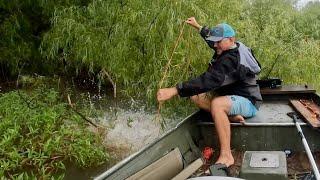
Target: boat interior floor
<point>298,165</point>
<point>270,130</point>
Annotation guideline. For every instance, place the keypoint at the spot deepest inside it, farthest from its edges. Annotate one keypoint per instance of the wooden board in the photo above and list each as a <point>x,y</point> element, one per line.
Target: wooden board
<point>309,117</point>
<point>287,89</point>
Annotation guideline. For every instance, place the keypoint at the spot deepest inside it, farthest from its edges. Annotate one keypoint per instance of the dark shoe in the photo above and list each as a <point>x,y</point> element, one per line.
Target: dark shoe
<point>219,170</point>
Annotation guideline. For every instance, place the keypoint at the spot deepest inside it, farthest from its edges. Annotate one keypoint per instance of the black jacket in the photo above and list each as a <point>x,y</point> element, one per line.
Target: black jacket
<point>227,74</point>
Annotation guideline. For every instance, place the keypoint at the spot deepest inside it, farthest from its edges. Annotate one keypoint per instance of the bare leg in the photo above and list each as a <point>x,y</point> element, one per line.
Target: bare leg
<point>220,107</point>
<point>204,102</point>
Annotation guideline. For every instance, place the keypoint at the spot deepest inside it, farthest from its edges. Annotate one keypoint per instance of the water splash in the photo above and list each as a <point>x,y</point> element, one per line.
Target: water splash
<point>131,129</point>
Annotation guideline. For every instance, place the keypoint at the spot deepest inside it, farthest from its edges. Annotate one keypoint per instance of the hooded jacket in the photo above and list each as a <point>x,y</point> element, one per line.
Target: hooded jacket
<point>233,72</point>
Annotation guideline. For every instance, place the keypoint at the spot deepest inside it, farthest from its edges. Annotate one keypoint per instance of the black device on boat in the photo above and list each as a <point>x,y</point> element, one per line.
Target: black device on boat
<point>270,83</point>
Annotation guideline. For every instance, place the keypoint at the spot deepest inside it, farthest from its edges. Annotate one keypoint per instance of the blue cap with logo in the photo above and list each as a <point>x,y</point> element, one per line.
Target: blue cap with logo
<point>221,31</point>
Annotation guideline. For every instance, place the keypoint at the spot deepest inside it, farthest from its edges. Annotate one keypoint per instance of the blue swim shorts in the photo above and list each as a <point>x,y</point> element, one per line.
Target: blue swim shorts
<point>242,106</point>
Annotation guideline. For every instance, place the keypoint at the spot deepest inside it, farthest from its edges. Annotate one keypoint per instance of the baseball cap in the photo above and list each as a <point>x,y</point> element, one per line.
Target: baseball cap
<point>221,31</point>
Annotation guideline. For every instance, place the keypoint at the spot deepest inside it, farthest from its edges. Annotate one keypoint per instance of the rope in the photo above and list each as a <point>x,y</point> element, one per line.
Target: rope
<point>169,62</point>
<point>166,69</point>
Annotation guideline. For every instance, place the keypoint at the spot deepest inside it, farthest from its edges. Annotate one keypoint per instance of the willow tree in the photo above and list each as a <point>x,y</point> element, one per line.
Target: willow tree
<point>133,40</point>
<point>21,26</point>
<point>307,21</point>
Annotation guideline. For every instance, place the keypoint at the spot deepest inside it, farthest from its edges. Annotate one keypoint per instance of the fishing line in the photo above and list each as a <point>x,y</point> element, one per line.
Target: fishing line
<point>166,70</point>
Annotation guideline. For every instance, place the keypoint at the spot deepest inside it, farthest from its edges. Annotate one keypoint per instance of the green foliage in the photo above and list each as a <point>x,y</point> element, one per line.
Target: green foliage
<point>21,25</point>
<point>308,20</point>
<point>133,40</point>
<point>14,45</point>
<point>282,48</point>
<point>39,135</point>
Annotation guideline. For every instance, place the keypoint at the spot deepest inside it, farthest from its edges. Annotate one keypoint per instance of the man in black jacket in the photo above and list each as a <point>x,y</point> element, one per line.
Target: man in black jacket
<point>231,74</point>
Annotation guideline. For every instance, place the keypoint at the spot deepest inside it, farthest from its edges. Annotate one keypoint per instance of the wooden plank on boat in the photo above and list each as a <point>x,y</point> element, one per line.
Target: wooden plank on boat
<point>166,167</point>
<point>288,89</point>
<point>309,116</point>
<point>189,170</point>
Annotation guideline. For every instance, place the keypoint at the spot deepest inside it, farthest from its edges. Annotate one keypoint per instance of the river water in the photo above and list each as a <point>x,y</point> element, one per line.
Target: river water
<point>132,129</point>
<point>129,127</point>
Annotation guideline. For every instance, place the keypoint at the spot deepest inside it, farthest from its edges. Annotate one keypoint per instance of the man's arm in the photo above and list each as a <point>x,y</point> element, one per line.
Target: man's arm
<point>213,78</point>
<point>203,83</point>
<point>203,30</point>
<point>220,73</point>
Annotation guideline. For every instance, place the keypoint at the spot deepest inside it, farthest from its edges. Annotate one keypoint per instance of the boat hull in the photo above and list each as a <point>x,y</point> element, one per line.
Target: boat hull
<point>270,130</point>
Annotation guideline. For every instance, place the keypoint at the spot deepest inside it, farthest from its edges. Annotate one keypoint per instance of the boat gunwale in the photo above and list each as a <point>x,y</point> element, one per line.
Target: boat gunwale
<point>255,124</point>
<point>129,158</point>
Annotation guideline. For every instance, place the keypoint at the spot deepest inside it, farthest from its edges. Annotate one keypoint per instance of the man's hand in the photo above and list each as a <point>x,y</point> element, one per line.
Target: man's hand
<point>166,93</point>
<point>193,22</point>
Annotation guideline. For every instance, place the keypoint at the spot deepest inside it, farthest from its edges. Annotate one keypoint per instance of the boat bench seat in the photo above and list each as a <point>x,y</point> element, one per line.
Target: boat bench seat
<point>272,113</point>
<point>270,124</point>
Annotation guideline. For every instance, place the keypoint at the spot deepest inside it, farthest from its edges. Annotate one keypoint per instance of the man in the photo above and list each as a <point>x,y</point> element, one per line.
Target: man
<point>231,74</point>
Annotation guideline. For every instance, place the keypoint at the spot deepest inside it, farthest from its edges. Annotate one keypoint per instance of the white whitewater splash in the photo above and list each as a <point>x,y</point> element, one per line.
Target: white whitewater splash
<point>131,129</point>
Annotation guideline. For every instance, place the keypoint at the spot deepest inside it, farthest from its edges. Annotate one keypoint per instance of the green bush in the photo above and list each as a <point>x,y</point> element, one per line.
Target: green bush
<point>39,134</point>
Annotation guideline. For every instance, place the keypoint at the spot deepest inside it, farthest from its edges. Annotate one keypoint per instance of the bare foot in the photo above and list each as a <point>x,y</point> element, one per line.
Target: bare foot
<point>237,118</point>
<point>225,158</point>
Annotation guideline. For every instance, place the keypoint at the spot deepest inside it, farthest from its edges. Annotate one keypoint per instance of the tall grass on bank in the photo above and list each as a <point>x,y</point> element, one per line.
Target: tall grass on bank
<point>39,134</point>
<point>132,40</point>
